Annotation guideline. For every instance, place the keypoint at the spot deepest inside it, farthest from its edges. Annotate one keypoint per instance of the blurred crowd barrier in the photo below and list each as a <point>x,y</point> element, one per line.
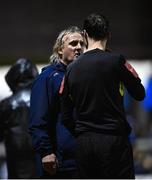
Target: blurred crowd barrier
<point>143,68</point>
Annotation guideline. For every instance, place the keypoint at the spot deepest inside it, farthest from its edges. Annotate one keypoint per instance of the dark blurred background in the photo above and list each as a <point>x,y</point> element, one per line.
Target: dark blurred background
<point>29,28</point>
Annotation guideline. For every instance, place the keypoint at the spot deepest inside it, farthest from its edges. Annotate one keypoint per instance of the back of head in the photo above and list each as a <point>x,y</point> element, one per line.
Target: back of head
<point>97,27</point>
<point>21,74</point>
<point>59,43</point>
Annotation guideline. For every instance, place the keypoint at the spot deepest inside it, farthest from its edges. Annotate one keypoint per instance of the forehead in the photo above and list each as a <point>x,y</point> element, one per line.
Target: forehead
<point>72,37</point>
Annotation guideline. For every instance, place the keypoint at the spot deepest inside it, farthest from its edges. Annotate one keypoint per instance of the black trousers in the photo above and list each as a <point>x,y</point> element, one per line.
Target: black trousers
<point>104,156</point>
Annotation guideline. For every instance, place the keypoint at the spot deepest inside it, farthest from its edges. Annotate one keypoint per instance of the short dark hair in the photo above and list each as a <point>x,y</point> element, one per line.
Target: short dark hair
<point>97,26</point>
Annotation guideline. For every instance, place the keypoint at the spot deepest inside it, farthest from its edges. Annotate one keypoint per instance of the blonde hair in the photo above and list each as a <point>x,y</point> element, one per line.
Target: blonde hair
<point>55,57</point>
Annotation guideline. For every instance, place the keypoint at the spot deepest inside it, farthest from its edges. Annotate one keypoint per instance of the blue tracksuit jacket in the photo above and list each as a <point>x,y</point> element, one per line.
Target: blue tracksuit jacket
<point>48,134</point>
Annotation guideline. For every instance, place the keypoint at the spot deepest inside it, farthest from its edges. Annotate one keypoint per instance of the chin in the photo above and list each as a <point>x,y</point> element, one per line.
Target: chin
<point>75,57</point>
<point>70,61</point>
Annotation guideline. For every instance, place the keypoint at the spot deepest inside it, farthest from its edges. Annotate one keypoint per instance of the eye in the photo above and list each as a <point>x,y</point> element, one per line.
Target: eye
<point>82,43</point>
<point>74,43</point>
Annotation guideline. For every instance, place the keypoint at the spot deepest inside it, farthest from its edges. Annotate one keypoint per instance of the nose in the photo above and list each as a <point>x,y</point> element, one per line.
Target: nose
<point>79,45</point>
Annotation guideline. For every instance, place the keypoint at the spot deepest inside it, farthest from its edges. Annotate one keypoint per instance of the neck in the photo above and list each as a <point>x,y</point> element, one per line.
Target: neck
<point>63,62</point>
<point>92,44</point>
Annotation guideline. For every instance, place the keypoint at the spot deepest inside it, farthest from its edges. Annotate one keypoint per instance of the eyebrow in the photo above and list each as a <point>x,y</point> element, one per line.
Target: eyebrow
<point>76,41</point>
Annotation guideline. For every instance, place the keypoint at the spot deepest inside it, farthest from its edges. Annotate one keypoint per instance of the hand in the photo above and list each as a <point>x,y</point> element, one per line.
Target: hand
<point>50,163</point>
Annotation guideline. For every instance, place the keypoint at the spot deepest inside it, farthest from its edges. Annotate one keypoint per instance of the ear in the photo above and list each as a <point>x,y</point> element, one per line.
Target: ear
<point>85,33</point>
<point>86,37</point>
<point>60,52</point>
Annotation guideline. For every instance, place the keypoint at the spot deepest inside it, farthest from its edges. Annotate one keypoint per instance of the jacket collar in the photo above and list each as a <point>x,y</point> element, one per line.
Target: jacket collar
<point>56,66</point>
<point>60,66</point>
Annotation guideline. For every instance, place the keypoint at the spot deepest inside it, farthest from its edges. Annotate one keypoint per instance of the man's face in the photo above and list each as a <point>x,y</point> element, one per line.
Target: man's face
<point>73,46</point>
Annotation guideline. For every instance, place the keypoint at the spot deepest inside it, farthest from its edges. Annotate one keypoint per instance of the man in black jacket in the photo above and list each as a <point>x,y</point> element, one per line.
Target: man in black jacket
<point>14,117</point>
<point>94,85</point>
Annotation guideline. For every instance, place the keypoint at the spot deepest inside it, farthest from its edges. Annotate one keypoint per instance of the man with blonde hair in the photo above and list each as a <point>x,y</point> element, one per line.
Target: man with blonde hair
<point>50,138</point>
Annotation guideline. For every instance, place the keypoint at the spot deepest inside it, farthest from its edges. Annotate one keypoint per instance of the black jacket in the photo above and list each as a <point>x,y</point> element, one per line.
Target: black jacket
<point>14,115</point>
<point>94,84</point>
